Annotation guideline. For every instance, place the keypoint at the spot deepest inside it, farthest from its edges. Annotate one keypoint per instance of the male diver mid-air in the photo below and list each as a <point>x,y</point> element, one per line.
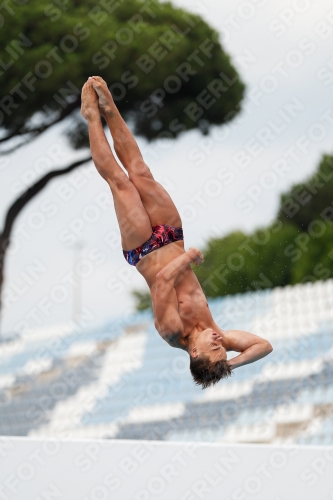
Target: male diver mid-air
<point>152,241</point>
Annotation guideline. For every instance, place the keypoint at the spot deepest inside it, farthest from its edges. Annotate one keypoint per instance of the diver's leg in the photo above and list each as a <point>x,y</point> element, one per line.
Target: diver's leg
<point>132,217</point>
<point>157,202</point>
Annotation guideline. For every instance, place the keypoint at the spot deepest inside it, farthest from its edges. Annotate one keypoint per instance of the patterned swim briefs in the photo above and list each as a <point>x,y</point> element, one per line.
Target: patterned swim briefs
<point>162,235</point>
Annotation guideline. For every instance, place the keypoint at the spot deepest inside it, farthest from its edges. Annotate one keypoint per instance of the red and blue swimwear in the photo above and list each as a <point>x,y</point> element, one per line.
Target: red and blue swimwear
<point>162,235</point>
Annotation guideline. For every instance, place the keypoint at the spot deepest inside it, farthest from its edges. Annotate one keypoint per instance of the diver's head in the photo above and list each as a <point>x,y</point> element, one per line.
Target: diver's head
<point>208,358</point>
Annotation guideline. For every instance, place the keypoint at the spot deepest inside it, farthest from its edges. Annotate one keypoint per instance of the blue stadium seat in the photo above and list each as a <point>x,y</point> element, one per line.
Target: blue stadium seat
<point>148,376</point>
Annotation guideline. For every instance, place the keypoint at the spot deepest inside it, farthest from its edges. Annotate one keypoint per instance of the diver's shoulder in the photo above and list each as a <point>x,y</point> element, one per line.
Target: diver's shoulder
<point>175,340</point>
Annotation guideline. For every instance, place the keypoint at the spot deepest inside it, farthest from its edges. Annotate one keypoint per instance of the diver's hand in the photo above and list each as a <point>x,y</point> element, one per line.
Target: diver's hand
<point>196,256</point>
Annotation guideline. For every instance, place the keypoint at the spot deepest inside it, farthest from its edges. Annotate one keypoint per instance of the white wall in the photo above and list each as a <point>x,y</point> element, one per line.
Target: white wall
<point>49,469</point>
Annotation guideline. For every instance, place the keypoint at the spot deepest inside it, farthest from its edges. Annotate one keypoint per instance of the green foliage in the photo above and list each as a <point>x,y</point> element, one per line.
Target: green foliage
<point>50,49</point>
<point>297,248</point>
<point>275,256</point>
<point>143,300</point>
<point>310,200</point>
<point>312,259</point>
<point>238,263</point>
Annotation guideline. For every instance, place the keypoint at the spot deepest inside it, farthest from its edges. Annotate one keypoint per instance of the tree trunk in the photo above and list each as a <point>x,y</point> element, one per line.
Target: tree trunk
<point>3,248</point>
<point>16,208</point>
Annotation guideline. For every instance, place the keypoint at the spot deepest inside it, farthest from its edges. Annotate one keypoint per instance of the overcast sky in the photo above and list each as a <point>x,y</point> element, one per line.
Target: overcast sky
<point>226,181</point>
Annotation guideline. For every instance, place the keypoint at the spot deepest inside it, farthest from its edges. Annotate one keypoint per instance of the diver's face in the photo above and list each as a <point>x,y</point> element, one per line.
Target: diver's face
<point>210,344</point>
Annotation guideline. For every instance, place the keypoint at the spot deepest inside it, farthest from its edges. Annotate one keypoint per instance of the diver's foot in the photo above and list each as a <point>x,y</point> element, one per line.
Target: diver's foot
<point>105,100</point>
<point>89,102</point>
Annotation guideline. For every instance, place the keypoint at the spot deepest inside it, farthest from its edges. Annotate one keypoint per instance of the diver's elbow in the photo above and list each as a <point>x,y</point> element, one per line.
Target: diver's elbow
<point>268,347</point>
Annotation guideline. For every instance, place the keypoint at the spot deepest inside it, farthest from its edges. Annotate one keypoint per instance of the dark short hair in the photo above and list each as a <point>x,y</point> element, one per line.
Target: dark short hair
<point>206,373</point>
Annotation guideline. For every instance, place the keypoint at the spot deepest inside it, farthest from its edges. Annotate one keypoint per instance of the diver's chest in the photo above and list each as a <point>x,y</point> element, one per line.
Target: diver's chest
<point>190,309</point>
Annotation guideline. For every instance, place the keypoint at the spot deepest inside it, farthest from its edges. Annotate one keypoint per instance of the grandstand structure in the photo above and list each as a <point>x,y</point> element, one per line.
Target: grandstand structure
<point>124,382</point>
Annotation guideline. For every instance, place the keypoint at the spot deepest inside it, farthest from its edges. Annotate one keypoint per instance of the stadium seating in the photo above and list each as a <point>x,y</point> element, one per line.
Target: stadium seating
<point>123,381</point>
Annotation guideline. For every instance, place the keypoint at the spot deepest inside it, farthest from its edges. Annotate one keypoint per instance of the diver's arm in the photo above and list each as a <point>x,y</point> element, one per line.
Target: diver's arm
<point>173,271</point>
<point>165,304</point>
<point>251,347</point>
<point>167,318</point>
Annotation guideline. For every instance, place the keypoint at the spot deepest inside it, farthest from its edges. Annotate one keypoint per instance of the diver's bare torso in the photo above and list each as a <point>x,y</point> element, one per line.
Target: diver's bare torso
<point>192,304</point>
